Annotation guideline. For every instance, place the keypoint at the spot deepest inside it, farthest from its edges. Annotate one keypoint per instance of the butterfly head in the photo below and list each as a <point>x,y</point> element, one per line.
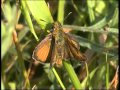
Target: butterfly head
<point>57,25</point>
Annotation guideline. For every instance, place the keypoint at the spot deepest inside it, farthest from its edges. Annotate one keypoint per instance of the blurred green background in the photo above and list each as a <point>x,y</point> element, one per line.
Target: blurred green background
<point>25,23</point>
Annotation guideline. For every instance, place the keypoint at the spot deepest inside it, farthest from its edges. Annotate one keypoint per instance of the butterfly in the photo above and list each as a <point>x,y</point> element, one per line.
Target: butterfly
<point>58,46</point>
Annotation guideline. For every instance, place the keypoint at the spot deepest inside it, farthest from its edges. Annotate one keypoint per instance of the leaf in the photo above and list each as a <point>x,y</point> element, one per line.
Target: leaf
<point>28,18</point>
<point>3,30</point>
<point>89,29</point>
<point>12,85</point>
<point>90,75</point>
<point>40,12</point>
<point>61,11</point>
<point>8,27</point>
<point>49,72</point>
<point>2,85</point>
<point>94,46</point>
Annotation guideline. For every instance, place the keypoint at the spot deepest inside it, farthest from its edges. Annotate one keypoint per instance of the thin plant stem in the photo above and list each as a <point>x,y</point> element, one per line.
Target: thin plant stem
<point>58,78</point>
<point>107,73</point>
<point>72,74</point>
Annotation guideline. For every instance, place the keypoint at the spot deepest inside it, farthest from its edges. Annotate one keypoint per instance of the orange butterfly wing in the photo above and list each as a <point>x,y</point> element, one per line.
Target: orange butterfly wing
<point>42,50</point>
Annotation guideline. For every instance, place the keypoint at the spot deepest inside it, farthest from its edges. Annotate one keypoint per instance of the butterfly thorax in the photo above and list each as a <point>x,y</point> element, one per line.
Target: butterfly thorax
<point>58,35</point>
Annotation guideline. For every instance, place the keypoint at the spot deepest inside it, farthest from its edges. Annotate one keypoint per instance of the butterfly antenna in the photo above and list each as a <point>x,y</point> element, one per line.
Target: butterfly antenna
<point>67,15</point>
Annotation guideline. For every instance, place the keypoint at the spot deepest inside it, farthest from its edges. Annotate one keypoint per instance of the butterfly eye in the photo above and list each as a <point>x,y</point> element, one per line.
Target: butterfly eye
<point>51,30</point>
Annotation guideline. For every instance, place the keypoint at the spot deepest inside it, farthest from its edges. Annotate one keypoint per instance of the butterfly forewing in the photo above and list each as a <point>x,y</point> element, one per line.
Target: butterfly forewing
<point>42,50</point>
<point>74,48</point>
<point>72,40</point>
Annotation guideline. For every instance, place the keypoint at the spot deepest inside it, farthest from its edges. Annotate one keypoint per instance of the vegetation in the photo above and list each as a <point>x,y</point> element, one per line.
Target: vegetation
<point>24,23</point>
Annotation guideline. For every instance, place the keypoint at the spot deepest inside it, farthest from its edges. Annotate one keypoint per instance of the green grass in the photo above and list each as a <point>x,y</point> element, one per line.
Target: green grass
<point>93,23</point>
